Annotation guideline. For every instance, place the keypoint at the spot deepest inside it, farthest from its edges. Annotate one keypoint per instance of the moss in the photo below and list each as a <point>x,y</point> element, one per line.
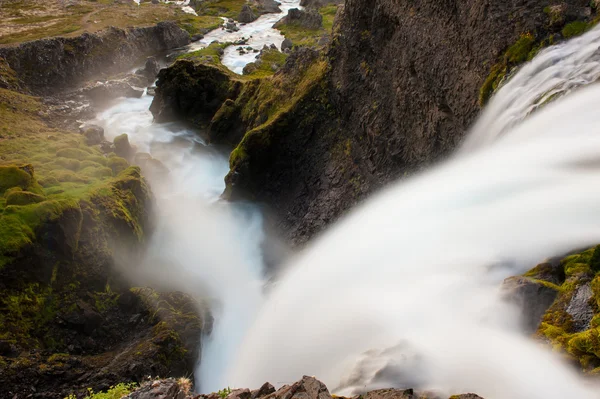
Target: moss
<point>575,28</point>
<point>302,36</point>
<point>68,163</point>
<point>13,176</point>
<point>98,171</point>
<point>270,61</point>
<point>23,198</point>
<point>115,392</point>
<point>209,55</point>
<point>199,24</point>
<point>73,153</point>
<point>117,164</point>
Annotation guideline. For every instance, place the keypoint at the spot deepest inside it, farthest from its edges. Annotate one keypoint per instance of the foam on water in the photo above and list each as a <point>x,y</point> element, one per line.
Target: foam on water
<point>404,291</point>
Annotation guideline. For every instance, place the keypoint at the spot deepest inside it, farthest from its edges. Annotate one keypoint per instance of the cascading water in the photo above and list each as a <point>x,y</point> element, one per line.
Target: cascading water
<point>556,71</point>
<point>201,245</point>
<point>259,33</point>
<point>404,292</point>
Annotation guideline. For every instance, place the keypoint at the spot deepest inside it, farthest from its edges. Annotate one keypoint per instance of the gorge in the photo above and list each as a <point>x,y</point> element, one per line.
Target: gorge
<point>291,254</point>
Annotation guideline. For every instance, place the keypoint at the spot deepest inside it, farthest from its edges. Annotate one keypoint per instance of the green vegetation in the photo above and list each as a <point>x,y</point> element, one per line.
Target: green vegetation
<point>267,105</point>
<point>222,8</point>
<point>199,24</point>
<point>270,61</point>
<point>301,36</point>
<point>223,393</point>
<point>557,325</point>
<point>115,392</point>
<point>576,28</point>
<point>210,55</point>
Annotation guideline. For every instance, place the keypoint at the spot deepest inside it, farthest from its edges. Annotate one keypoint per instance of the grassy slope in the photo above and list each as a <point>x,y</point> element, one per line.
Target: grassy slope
<point>66,170</point>
<point>301,36</point>
<point>25,20</point>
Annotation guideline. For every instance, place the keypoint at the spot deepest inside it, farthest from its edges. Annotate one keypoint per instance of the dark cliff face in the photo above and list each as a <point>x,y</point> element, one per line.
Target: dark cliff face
<point>403,84</point>
<point>57,63</point>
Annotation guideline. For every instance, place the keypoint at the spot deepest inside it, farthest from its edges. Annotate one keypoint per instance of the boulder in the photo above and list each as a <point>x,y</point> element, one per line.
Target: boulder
<point>286,45</point>
<point>161,389</point>
<point>246,15</point>
<point>197,37</point>
<point>93,134</point>
<point>268,6</point>
<point>150,70</point>
<point>532,297</point>
<point>308,19</point>
<point>122,146</point>
<point>264,390</point>
<point>101,92</point>
<point>579,308</point>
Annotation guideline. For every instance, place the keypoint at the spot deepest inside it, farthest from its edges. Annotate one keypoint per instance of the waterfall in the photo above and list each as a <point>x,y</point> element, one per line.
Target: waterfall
<point>404,290</point>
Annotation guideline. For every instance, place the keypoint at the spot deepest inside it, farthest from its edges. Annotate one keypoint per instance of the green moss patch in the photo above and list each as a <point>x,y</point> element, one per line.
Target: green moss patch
<point>301,36</point>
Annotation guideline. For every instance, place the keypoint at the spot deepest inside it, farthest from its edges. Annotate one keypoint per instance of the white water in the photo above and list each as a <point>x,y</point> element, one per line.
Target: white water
<point>408,282</point>
<point>201,245</point>
<point>557,70</point>
<point>260,33</point>
<point>404,291</point>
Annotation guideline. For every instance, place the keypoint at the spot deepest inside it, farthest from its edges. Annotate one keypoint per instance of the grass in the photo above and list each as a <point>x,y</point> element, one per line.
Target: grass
<point>273,99</point>
<point>27,21</point>
<point>63,169</point>
<point>199,24</point>
<point>114,392</point>
<point>222,8</point>
<point>301,36</point>
<point>270,58</point>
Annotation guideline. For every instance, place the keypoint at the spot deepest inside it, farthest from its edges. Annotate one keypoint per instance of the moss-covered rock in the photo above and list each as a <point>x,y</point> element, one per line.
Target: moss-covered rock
<point>23,198</point>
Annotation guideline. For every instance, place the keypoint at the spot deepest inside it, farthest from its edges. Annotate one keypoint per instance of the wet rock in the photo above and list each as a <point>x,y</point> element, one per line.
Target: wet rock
<point>93,134</point>
<point>197,37</point>
<point>267,6</point>
<point>308,19</point>
<point>580,309</point>
<point>150,70</point>
<point>286,45</point>
<point>532,297</point>
<point>47,64</point>
<point>264,390</point>
<point>159,389</point>
<point>246,15</point>
<point>102,92</point>
<point>122,146</point>
<point>239,394</point>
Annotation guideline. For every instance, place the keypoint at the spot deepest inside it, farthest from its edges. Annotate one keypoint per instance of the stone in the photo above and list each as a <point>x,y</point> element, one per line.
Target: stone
<point>150,70</point>
<point>264,390</point>
<point>246,15</point>
<point>531,296</point>
<point>159,389</point>
<point>579,308</point>
<point>197,37</point>
<point>286,45</point>
<point>308,19</point>
<point>93,134</point>
<point>268,6</point>
<point>122,146</point>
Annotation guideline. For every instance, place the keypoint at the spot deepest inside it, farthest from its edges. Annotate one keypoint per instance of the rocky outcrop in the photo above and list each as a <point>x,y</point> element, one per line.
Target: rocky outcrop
<point>69,321</point>
<point>306,388</point>
<point>402,91</point>
<point>246,15</point>
<point>532,297</point>
<point>310,19</point>
<point>47,65</point>
<point>266,6</point>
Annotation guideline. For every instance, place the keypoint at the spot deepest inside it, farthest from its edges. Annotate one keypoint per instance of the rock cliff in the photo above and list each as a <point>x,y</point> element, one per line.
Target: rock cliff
<point>47,65</point>
<point>401,87</point>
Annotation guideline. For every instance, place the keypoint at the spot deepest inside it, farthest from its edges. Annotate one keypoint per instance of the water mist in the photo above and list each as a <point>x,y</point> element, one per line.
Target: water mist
<point>404,291</point>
